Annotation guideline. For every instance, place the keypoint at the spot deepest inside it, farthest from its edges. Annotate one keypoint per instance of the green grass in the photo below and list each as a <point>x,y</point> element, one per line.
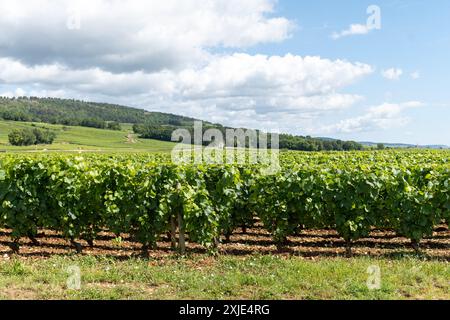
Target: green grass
<point>226,277</point>
<point>82,138</point>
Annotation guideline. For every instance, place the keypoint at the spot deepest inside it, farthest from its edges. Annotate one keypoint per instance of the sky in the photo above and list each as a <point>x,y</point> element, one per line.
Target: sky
<point>355,69</point>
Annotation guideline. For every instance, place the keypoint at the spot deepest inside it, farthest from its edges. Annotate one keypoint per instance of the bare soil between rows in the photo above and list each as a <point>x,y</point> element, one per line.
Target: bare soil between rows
<point>309,244</point>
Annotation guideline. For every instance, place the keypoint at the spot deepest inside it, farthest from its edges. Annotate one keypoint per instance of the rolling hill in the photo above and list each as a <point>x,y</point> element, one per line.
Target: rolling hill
<point>76,139</point>
<point>148,125</point>
<point>73,112</point>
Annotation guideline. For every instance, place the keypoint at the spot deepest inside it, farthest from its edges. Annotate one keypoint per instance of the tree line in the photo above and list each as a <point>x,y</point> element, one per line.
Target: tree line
<point>286,141</point>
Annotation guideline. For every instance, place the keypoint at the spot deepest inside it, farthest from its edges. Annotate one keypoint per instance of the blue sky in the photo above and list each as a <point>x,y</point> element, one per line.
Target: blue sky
<point>414,36</point>
<point>304,67</point>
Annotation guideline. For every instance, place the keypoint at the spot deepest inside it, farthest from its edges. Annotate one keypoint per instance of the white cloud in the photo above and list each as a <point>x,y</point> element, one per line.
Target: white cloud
<point>384,116</point>
<point>133,35</point>
<point>275,76</point>
<point>415,75</point>
<point>354,29</point>
<point>392,73</point>
<point>234,75</point>
<point>235,89</point>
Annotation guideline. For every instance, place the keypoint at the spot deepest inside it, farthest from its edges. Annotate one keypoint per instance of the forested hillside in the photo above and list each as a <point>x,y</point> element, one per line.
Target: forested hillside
<point>74,112</point>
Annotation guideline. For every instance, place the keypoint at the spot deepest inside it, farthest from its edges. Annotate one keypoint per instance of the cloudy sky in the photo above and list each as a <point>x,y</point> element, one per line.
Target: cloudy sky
<point>366,70</point>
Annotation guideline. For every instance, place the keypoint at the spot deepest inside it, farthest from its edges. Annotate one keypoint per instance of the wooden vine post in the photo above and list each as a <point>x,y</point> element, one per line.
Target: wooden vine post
<point>181,236</point>
<point>173,231</point>
<point>348,249</point>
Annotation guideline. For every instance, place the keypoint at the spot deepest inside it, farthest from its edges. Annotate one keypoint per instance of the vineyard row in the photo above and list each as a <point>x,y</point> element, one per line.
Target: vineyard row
<point>81,196</point>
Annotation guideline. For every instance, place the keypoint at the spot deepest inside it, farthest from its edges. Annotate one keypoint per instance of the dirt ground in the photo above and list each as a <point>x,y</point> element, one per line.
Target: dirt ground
<point>310,244</point>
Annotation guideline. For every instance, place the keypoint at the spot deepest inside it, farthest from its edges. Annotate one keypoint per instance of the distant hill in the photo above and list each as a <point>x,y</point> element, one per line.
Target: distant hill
<point>395,145</point>
<point>404,145</point>
<point>148,125</point>
<point>73,112</point>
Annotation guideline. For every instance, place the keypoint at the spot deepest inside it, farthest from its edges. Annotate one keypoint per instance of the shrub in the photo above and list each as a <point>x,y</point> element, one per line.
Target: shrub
<point>44,136</point>
<point>24,137</point>
<point>114,126</point>
<point>28,137</point>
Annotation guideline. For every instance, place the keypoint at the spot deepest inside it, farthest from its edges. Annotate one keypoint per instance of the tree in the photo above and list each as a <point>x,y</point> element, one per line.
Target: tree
<point>24,137</point>
<point>28,137</point>
<point>93,123</point>
<point>114,125</point>
<point>380,146</point>
<point>44,136</point>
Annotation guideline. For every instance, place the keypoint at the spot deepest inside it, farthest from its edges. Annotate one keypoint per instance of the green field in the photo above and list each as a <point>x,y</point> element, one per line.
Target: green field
<point>73,139</point>
<point>203,277</point>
